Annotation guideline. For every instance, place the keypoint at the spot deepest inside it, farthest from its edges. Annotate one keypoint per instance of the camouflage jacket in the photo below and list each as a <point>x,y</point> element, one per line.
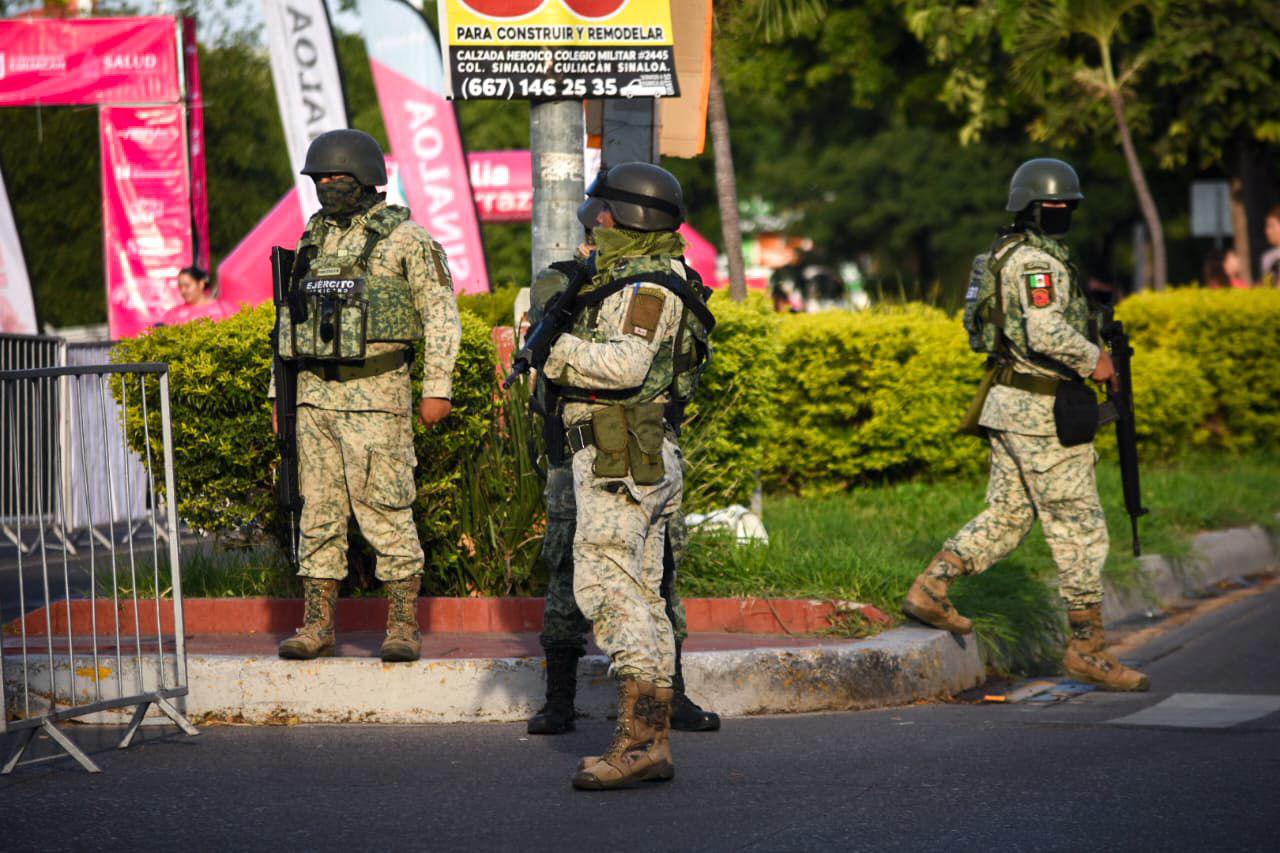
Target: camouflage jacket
<point>1046,325</point>
<point>615,348</point>
<point>408,251</point>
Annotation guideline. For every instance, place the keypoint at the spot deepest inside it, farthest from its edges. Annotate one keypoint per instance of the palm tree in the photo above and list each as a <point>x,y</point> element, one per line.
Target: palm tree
<point>1041,54</point>
<point>773,18</point>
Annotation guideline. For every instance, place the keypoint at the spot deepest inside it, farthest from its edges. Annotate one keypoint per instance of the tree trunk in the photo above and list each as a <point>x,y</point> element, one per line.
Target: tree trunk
<point>1250,174</point>
<point>1240,225</point>
<point>726,187</point>
<point>1159,274</point>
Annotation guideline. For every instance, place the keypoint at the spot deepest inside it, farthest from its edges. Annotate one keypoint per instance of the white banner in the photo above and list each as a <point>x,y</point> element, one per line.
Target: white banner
<point>17,312</point>
<point>304,66</point>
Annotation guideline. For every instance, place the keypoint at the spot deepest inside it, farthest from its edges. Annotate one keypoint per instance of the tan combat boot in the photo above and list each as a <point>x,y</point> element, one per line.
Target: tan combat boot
<point>403,642</point>
<point>316,638</point>
<point>641,748</point>
<point>1087,657</point>
<point>927,600</point>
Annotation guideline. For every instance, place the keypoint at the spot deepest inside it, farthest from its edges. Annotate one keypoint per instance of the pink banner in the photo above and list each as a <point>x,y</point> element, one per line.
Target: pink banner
<point>88,61</point>
<point>146,212</point>
<point>423,132</point>
<point>503,185</point>
<point>195,143</point>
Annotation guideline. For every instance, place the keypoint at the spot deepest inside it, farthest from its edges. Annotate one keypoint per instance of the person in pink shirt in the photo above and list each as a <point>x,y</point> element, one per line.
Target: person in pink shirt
<point>197,300</point>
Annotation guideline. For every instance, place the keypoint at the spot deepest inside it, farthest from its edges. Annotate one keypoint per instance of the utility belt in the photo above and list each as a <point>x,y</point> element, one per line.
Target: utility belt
<point>372,366</point>
<point>627,439</point>
<point>1076,414</point>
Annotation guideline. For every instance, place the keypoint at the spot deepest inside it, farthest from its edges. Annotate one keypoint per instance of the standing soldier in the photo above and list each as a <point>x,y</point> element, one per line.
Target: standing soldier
<point>1040,419</point>
<point>638,342</point>
<point>563,625</point>
<point>368,286</point>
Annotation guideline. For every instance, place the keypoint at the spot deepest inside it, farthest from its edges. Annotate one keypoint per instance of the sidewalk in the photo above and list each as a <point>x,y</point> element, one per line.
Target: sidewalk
<point>743,657</point>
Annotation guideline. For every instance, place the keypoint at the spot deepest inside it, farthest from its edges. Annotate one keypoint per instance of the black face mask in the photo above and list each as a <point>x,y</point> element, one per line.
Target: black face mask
<point>1054,221</point>
<point>343,196</point>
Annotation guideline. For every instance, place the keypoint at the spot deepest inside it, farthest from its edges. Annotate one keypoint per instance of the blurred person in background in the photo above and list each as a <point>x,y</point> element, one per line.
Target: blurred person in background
<point>197,299</point>
<point>1271,257</point>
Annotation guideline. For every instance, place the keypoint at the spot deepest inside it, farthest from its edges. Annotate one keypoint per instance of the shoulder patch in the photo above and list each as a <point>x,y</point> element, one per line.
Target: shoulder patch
<point>645,312</point>
<point>1039,288</point>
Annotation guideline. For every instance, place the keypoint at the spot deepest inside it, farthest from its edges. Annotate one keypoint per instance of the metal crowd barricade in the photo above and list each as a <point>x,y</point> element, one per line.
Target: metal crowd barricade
<point>91,632</point>
<point>28,352</point>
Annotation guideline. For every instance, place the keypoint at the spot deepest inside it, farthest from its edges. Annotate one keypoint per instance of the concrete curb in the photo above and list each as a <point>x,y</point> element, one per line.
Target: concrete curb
<point>1214,557</point>
<point>899,666</point>
<point>896,667</point>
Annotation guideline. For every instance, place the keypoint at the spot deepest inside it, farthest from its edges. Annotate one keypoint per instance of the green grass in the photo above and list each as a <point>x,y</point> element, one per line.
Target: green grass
<point>214,572</point>
<point>867,546</point>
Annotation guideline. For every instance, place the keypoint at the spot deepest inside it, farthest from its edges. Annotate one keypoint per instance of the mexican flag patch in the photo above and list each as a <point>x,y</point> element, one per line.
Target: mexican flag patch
<point>1040,288</point>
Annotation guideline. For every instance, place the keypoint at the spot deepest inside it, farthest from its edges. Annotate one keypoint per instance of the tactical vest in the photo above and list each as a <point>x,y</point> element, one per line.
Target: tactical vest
<point>335,308</point>
<point>680,360</point>
<point>997,325</point>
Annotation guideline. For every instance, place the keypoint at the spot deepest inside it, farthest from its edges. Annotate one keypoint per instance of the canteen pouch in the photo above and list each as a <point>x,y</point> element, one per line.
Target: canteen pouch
<point>1075,413</point>
<point>969,423</point>
<point>644,450</point>
<point>609,431</point>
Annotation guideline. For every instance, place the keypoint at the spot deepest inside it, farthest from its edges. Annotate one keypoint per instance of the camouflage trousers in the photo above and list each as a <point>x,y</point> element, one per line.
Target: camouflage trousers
<point>1035,476</point>
<point>618,548</point>
<point>563,625</point>
<point>359,462</point>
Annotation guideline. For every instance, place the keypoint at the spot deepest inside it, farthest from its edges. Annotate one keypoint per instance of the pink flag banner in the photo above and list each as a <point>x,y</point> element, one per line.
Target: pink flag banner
<point>408,74</point>
<point>147,212</point>
<point>503,185</point>
<point>17,311</point>
<point>195,143</point>
<point>88,61</point>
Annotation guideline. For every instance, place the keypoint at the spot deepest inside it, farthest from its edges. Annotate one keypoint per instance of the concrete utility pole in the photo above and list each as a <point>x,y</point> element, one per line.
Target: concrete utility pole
<point>556,137</point>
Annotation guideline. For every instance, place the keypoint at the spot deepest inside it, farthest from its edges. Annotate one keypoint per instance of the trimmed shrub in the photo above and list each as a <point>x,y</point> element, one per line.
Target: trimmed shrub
<point>732,417</point>
<point>224,449</point>
<point>872,396</point>
<point>1233,336</point>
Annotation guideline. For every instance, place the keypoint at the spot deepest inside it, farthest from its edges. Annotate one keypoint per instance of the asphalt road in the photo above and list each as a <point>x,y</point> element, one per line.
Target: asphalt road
<point>1034,776</point>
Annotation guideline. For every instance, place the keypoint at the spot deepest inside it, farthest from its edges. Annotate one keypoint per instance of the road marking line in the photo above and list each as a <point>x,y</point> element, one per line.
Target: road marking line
<point>1203,711</point>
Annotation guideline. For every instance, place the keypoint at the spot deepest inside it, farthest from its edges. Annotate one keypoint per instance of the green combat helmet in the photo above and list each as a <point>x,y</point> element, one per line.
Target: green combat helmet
<point>1043,179</point>
<point>347,152</point>
<point>641,196</point>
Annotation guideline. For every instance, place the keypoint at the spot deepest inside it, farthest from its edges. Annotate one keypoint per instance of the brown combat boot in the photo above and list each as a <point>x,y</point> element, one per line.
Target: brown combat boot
<point>1087,657</point>
<point>641,748</point>
<point>403,642</point>
<point>927,600</point>
<point>316,638</point>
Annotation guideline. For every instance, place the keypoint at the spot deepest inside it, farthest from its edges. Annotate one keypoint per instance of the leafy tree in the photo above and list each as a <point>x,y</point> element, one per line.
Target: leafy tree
<point>1219,61</point>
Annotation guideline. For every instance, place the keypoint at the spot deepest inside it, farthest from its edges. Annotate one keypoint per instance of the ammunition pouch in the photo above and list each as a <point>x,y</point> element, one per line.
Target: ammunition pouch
<point>628,441</point>
<point>327,320</point>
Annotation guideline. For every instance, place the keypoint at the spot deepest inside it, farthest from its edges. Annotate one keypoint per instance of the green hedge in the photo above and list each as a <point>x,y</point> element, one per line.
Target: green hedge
<point>1233,338</point>
<point>224,450</point>
<point>875,396</point>
<point>871,396</point>
<point>806,403</point>
<point>730,423</point>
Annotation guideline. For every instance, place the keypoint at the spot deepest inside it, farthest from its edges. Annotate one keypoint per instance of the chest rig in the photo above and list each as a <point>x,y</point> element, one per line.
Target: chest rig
<point>1010,315</point>
<point>680,360</point>
<point>335,307</point>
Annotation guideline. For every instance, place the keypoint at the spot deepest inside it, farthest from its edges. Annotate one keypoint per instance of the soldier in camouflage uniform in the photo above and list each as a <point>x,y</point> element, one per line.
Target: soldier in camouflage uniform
<point>638,342</point>
<point>1045,339</point>
<point>563,625</point>
<point>355,430</point>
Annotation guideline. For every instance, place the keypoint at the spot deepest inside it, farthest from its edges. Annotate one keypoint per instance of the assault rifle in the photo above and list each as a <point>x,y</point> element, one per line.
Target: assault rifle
<point>557,318</point>
<point>285,373</point>
<point>1119,407</point>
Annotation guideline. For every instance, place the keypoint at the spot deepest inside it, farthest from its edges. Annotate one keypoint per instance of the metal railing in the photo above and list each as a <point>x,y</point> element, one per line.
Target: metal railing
<point>29,352</point>
<point>88,513</point>
<point>102,629</point>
